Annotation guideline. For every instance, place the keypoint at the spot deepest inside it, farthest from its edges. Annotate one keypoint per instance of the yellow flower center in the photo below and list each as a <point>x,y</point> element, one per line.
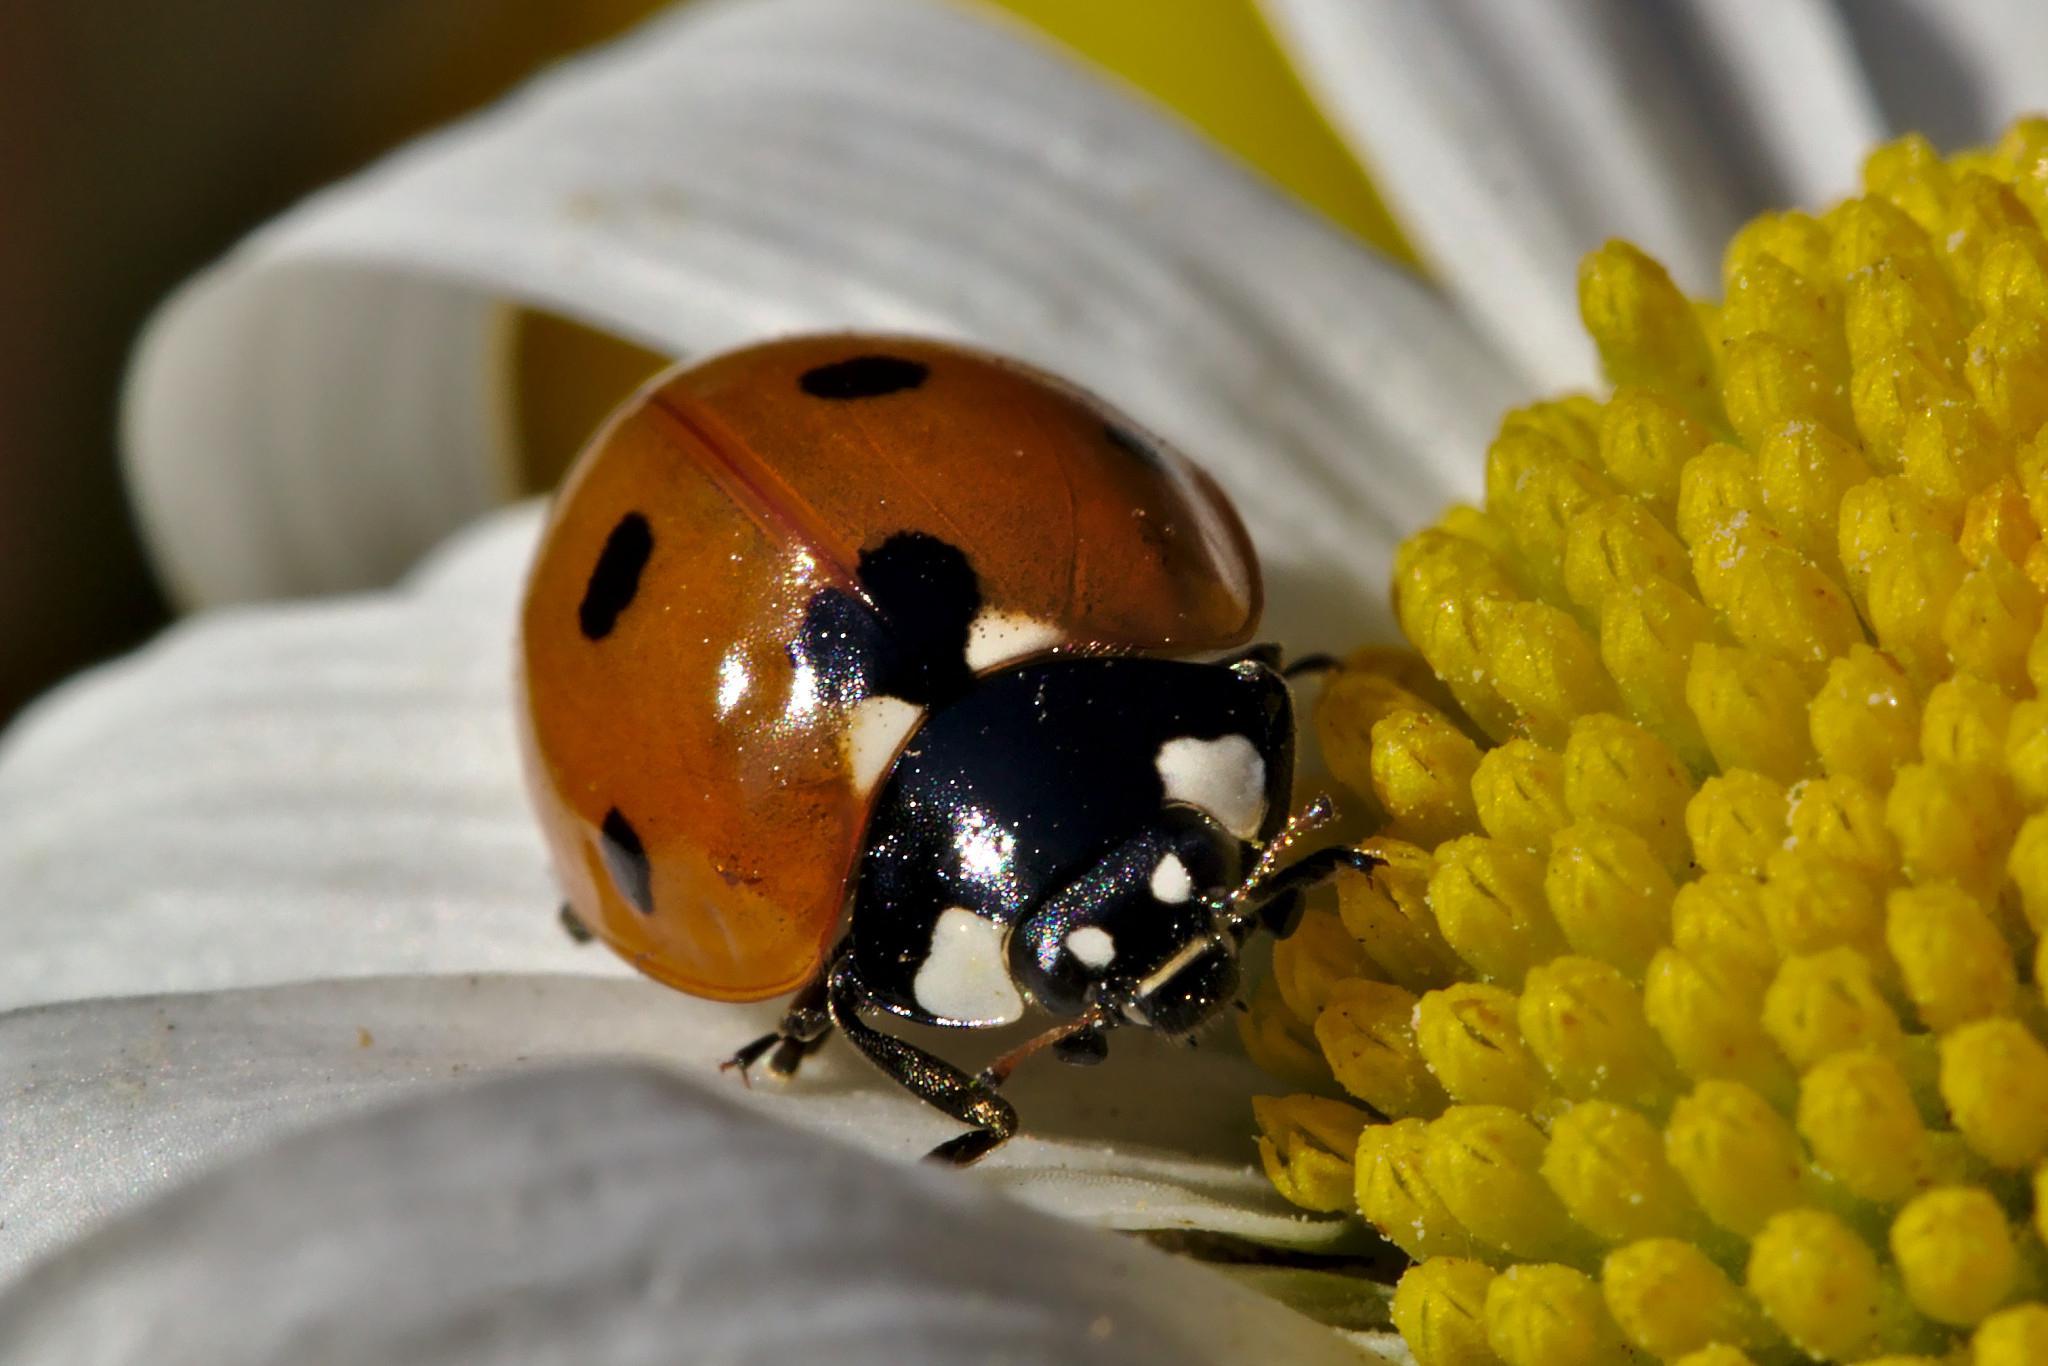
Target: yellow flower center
<point>1702,992</point>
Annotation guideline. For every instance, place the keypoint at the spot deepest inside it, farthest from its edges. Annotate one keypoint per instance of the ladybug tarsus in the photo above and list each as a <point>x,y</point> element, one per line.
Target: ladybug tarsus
<point>805,1026</point>
<point>1305,665</point>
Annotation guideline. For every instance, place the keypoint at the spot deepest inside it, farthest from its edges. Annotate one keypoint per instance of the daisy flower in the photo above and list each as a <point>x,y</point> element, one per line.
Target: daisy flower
<point>299,1065</point>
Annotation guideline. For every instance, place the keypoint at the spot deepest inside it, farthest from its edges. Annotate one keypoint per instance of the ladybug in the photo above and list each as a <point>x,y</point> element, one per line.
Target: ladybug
<point>913,681</point>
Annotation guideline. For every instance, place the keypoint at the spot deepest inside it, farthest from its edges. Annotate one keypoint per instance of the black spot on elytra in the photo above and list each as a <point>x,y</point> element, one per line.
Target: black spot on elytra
<point>1130,443</point>
<point>912,643</point>
<point>626,860</point>
<point>863,377</point>
<point>617,576</point>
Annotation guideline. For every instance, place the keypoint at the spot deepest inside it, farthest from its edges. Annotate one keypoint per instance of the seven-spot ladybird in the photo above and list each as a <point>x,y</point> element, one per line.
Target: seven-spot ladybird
<point>900,675</point>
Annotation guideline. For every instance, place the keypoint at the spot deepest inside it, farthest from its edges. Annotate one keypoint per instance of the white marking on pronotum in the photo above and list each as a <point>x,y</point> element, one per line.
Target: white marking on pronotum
<point>1224,777</point>
<point>995,638</point>
<point>876,730</point>
<point>966,976</point>
<point>1170,880</point>
<point>1092,945</point>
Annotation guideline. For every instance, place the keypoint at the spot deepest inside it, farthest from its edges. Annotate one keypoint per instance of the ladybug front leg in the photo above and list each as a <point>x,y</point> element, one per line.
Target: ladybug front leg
<point>971,1100</point>
<point>1277,899</point>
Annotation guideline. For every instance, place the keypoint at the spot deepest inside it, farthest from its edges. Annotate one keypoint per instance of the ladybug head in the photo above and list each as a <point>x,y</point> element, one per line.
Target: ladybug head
<point>1140,936</point>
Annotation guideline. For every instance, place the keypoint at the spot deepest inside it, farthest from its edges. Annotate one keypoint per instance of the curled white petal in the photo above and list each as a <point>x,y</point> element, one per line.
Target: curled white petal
<point>272,793</point>
<point>736,171</point>
<point>1956,70</point>
<point>1788,92</point>
<point>112,1101</point>
<point>612,1213</point>
<point>1511,139</point>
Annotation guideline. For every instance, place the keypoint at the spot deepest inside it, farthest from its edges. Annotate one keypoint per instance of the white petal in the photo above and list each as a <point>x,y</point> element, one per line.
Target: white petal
<point>270,793</point>
<point>111,1102</point>
<point>1956,70</point>
<point>1511,139</point>
<point>1783,80</point>
<point>612,1213</point>
<point>741,170</point>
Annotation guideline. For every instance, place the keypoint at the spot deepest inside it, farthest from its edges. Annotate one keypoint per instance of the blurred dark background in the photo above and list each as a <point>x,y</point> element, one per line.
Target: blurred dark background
<point>138,141</point>
<point>140,138</point>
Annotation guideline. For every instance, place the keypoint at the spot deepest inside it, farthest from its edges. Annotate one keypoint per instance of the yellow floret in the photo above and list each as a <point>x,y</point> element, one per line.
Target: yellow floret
<point>1367,1031</point>
<point>1468,1037</point>
<point>1736,1154</point>
<point>1750,707</point>
<point>2012,1337</point>
<point>1609,893</point>
<point>1647,639</point>
<point>2027,866</point>
<point>1485,1163</point>
<point>1583,1020</point>
<point>1548,1315</point>
<point>1488,900</point>
<point>1519,790</point>
<point>1645,328</point>
<point>1306,1144</point>
<point>1390,911</point>
<point>1803,470</point>
<point>1994,1076</point>
<point>1952,824</point>
<point>2026,752</point>
<point>1394,1192</point>
<point>1706,1008</point>
<point>1736,821</point>
<point>1859,1119</point>
<point>1282,1045</point>
<point>1955,1254</point>
<point>1440,1309</point>
<point>1819,1282</point>
<point>1606,1162</point>
<point>1826,1003</point>
<point>1670,1299</point>
<point>1645,442</point>
<point>1722,915</point>
<point>1613,545</point>
<point>1842,819</point>
<point>1618,772</point>
<point>1308,964</point>
<point>1865,721</point>
<point>1422,770</point>
<point>1956,965</point>
<point>1716,1354</point>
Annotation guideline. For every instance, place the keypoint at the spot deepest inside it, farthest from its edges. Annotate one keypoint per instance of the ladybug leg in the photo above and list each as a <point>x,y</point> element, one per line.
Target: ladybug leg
<point>804,1029</point>
<point>573,926</point>
<point>971,1100</point>
<point>1312,664</point>
<point>1266,652</point>
<point>1277,900</point>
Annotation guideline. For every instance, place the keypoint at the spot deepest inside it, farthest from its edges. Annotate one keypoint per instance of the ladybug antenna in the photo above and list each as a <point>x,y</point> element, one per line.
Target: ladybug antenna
<point>1237,910</point>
